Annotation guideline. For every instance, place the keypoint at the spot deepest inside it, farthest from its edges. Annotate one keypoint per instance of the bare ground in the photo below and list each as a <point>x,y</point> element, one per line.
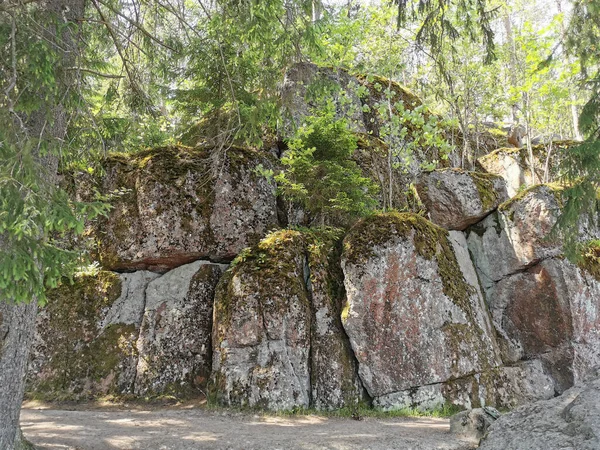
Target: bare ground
<point>201,428</point>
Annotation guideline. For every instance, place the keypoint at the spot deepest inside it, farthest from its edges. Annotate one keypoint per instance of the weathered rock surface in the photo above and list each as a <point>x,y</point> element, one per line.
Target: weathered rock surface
<point>543,307</point>
<point>180,205</point>
<point>85,340</point>
<point>407,294</point>
<point>473,423</point>
<point>334,376</point>
<point>513,165</point>
<point>456,199</point>
<point>517,237</point>
<point>276,339</point>
<point>571,421</point>
<point>261,336</point>
<point>174,344</point>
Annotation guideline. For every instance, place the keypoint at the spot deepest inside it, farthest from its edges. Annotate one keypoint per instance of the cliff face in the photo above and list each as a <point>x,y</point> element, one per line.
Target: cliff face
<point>204,291</point>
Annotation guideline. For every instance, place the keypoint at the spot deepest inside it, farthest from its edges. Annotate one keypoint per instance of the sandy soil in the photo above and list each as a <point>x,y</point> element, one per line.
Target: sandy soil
<point>200,428</point>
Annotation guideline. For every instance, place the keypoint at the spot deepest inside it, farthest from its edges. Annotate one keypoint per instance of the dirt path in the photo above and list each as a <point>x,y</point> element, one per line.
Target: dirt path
<point>199,428</point>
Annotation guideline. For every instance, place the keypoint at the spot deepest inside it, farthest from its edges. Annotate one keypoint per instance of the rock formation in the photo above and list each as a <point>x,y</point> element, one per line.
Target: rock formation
<point>476,307</point>
<point>569,421</point>
<point>277,341</point>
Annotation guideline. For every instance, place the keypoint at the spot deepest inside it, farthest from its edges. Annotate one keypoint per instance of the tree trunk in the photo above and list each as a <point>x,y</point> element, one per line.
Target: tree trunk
<point>49,124</point>
<point>17,324</point>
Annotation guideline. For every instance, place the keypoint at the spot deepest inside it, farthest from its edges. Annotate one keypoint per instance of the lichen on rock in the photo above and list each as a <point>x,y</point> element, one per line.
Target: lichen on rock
<point>277,338</point>
<point>75,355</point>
<point>180,204</point>
<point>455,198</point>
<point>406,294</point>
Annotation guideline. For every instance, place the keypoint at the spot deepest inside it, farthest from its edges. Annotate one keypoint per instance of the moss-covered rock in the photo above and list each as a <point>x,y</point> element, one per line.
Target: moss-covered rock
<point>180,204</point>
<point>85,339</point>
<point>412,316</point>
<point>261,333</point>
<point>456,198</point>
<point>513,164</point>
<point>278,342</point>
<point>174,344</point>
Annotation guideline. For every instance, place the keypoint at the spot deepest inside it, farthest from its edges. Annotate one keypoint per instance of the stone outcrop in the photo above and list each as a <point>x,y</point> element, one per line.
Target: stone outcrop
<point>456,199</point>
<point>121,334</point>
<point>85,344</point>
<point>517,237</point>
<point>277,341</point>
<point>570,421</point>
<point>513,165</point>
<point>179,205</point>
<point>406,294</point>
<point>543,307</point>
<point>174,343</point>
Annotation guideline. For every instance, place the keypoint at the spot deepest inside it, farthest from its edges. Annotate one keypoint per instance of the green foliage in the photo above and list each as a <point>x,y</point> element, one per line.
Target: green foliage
<point>36,219</point>
<point>580,167</point>
<point>320,174</point>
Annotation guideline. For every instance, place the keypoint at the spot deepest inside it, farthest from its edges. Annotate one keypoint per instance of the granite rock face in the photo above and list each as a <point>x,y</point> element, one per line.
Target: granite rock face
<point>517,237</point>
<point>543,307</point>
<point>276,340</point>
<point>513,165</point>
<point>407,294</point>
<point>456,199</point>
<point>174,343</point>
<point>571,421</point>
<point>180,205</point>
<point>85,339</point>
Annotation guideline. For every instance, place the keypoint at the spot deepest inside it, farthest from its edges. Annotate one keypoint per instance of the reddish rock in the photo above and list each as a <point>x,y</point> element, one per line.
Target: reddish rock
<point>411,316</point>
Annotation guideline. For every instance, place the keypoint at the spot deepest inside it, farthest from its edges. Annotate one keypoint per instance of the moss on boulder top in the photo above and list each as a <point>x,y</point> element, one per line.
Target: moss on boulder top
<point>455,198</point>
<point>431,242</point>
<point>278,341</point>
<point>180,204</point>
<point>406,290</point>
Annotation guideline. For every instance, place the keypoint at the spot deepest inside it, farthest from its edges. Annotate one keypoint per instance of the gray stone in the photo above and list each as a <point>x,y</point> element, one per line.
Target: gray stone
<point>129,307</point>
<point>570,421</point>
<point>174,342</point>
<point>517,237</point>
<point>473,423</point>
<point>456,199</point>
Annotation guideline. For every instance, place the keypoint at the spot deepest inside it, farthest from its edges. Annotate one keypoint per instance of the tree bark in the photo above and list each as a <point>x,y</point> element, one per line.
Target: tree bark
<point>48,123</point>
<point>17,324</point>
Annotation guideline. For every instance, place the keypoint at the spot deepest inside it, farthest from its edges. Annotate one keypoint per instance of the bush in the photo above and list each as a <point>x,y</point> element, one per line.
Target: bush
<point>320,174</point>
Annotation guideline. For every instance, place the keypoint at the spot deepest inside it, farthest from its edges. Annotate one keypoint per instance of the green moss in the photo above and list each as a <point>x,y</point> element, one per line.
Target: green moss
<point>485,186</point>
<point>78,352</point>
<point>430,241</point>
<point>590,260</point>
<point>273,262</point>
<point>554,188</point>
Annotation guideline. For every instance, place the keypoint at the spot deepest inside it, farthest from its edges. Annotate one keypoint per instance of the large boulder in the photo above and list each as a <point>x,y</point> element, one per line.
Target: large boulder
<point>179,205</point>
<point>456,198</point>
<point>543,307</point>
<point>85,337</point>
<point>414,314</point>
<point>514,166</point>
<point>277,339</point>
<point>517,237</point>
<point>174,343</point>
<point>571,421</point>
